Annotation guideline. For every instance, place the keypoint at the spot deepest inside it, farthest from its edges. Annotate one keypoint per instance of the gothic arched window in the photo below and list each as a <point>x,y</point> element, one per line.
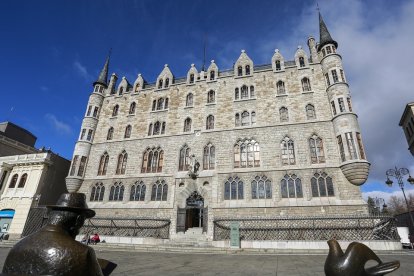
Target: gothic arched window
<point>117,192</point>
<point>154,105</point>
<point>211,96</point>
<point>291,186</point>
<point>261,187</point>
<point>212,75</point>
<point>13,181</point>
<point>191,78</point>
<point>184,159</point>
<point>284,114</point>
<point>209,157</point>
<point>150,129</point>
<point>236,94</point>
<point>246,154</point>
<point>245,118</point>
<point>244,92</point>
<point>306,85</point>
<point>137,191</point>
<point>163,128</point>
<point>210,122</point>
<point>167,82</point>
<point>316,150</point>
<point>166,103</point>
<point>247,69</point>
<point>253,118</point>
<point>237,121</point>
<point>160,104</point>
<point>160,84</point>
<point>187,125</point>
<point>128,130</point>
<point>252,95</point>
<point>121,90</point>
<point>239,71</point>
<point>310,112</point>
<point>132,108</point>
<point>97,192</point>
<point>288,151</point>
<point>103,164</point>
<point>233,189</point>
<point>278,67</point>
<point>115,111</point>
<point>122,162</point>
<point>157,128</point>
<point>301,61</point>
<point>22,181</point>
<point>280,87</point>
<point>321,185</point>
<point>152,160</point>
<point>189,100</point>
<point>159,191</point>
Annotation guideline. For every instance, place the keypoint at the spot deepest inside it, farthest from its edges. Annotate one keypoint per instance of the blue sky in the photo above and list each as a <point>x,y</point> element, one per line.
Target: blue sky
<point>52,51</point>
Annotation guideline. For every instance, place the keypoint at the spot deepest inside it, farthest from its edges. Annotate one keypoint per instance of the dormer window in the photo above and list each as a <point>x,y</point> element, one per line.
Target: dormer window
<point>137,87</point>
<point>301,62</point>
<point>159,84</point>
<point>239,71</point>
<point>328,50</point>
<point>167,82</point>
<point>323,52</point>
<point>192,78</point>
<point>121,90</point>
<point>278,67</point>
<point>212,75</point>
<point>247,69</point>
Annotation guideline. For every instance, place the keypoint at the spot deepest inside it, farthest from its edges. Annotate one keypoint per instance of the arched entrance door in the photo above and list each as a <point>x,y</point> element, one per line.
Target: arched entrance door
<point>193,215</point>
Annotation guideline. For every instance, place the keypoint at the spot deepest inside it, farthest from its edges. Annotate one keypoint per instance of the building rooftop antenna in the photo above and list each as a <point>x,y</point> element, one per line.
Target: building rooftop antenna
<point>203,67</point>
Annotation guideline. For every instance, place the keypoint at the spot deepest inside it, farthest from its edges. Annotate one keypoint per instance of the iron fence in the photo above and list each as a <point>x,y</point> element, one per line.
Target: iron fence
<point>310,228</point>
<point>128,227</point>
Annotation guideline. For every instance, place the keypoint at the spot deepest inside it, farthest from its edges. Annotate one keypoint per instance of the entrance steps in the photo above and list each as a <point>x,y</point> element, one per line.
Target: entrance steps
<point>193,237</point>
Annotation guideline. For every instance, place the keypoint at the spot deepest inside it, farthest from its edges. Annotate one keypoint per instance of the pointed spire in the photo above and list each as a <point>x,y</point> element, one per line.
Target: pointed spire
<point>103,76</point>
<point>325,36</point>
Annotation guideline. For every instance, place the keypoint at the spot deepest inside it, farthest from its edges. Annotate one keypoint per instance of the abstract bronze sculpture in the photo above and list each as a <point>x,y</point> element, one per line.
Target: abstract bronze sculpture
<point>353,261</point>
<point>53,250</point>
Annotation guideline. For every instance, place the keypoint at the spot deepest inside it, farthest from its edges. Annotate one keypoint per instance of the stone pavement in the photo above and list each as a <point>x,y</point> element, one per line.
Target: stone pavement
<point>154,263</point>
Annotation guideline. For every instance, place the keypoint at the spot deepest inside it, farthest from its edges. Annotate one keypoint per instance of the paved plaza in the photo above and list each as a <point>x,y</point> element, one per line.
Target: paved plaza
<point>151,263</point>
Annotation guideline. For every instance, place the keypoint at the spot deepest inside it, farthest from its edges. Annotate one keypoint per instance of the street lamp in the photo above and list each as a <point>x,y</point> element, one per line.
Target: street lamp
<point>398,174</point>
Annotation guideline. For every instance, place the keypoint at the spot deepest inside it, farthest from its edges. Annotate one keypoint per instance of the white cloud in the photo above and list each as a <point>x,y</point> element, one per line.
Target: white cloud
<point>81,70</point>
<point>385,195</point>
<point>59,126</point>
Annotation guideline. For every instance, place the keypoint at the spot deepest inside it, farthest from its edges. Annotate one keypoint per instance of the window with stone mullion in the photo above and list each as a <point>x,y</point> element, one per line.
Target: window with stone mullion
<point>261,188</point>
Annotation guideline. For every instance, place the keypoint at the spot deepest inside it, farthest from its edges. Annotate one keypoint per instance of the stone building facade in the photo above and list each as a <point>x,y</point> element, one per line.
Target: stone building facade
<point>272,140</point>
<point>407,124</point>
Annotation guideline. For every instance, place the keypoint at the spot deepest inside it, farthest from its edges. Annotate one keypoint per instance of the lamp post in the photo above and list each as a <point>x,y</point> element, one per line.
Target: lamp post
<point>398,174</point>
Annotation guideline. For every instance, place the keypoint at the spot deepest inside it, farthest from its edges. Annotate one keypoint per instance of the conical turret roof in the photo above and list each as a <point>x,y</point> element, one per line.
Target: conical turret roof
<point>325,36</point>
<point>103,76</point>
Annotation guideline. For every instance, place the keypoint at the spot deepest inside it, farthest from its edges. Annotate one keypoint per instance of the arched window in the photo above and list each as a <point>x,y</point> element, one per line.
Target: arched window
<point>189,100</point>
<point>316,150</point>
<point>163,128</point>
<point>233,189</point>
<point>22,181</point>
<point>128,130</point>
<point>278,67</point>
<point>160,84</point>
<point>137,191</point>
<point>154,105</point>
<point>244,92</point>
<point>160,104</point>
<point>117,192</point>
<point>310,112</point>
<point>152,160</point>
<point>97,192</point>
<point>209,157</point>
<point>236,94</point>
<point>291,186</point>
<point>322,185</point>
<point>280,86</point>
<point>239,71</point>
<point>103,164</point>
<point>301,61</point>
<point>252,95</point>
<point>261,187</point>
<point>166,103</point>
<point>137,87</point>
<point>237,121</point>
<point>121,90</point>
<point>245,118</point>
<point>150,129</point>
<point>210,122</point>
<point>191,78</point>
<point>212,75</point>
<point>187,125</point>
<point>13,181</point>
<point>288,151</point>
<point>132,108</point>
<point>246,154</point>
<point>167,82</point>
<point>122,162</point>
<point>284,114</point>
<point>306,85</point>
<point>157,128</point>
<point>247,69</point>
<point>253,118</point>
<point>184,160</point>
<point>159,191</point>
<point>211,96</point>
<point>115,111</point>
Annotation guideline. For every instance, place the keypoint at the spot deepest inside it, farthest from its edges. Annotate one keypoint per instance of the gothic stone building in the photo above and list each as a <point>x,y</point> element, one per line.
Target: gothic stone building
<point>280,139</point>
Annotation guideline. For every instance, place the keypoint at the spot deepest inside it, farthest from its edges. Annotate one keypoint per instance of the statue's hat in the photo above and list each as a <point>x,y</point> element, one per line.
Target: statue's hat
<point>75,202</point>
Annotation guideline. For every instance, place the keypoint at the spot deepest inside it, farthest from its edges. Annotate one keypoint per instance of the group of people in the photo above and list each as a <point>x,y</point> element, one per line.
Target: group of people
<point>94,239</point>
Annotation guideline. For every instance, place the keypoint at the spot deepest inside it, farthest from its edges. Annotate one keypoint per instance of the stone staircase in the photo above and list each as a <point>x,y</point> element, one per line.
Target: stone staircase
<point>193,237</point>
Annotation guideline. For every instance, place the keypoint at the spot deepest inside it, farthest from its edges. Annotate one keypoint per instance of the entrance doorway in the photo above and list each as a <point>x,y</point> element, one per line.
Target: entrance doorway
<point>193,215</point>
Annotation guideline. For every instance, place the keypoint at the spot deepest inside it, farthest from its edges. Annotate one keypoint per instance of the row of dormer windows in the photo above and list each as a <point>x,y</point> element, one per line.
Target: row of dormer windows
<point>191,79</point>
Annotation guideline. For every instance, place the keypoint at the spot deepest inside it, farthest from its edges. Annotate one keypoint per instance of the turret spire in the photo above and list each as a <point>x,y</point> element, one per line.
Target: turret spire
<point>103,76</point>
<point>325,36</point>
